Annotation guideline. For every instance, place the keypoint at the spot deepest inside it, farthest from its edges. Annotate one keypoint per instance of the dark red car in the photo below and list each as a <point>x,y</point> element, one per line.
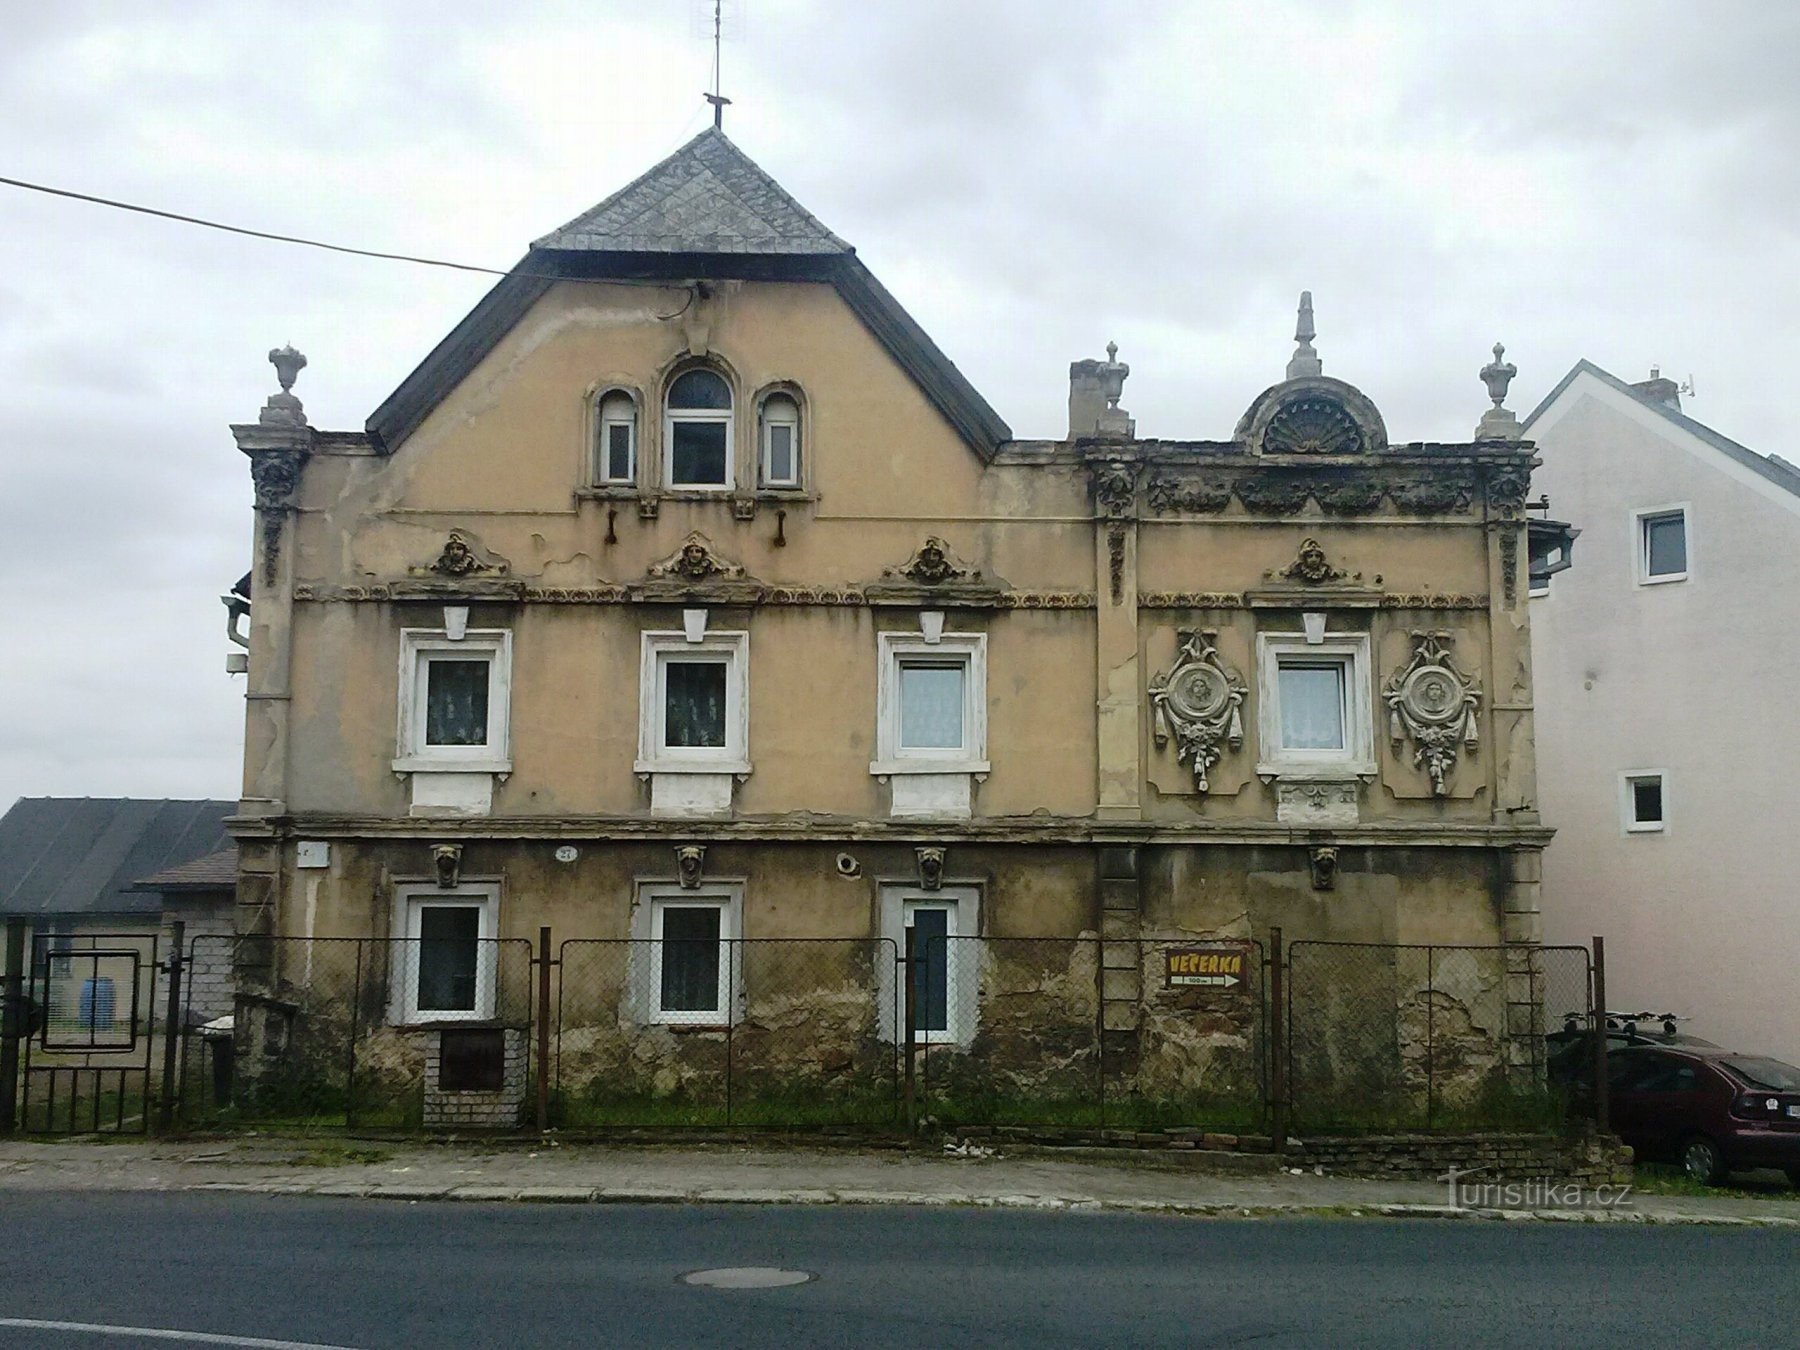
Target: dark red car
<point>1713,1111</point>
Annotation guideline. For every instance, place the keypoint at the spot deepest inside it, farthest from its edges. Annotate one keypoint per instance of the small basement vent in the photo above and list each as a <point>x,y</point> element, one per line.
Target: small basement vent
<point>472,1059</point>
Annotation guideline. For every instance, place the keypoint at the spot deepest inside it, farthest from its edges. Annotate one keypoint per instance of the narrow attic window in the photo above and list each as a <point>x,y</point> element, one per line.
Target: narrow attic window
<point>697,432</point>
<point>780,442</point>
<point>615,447</point>
<point>1662,546</point>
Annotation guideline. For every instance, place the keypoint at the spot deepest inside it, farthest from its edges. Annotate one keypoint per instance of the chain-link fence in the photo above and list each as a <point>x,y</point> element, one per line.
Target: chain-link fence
<point>1386,1036</point>
<point>360,1032</point>
<point>699,1030</point>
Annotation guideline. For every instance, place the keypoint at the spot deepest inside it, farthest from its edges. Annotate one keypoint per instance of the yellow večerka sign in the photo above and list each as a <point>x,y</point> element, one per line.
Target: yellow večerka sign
<point>1213,967</point>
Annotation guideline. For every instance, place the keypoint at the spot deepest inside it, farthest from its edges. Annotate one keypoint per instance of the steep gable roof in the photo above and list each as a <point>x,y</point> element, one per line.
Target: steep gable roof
<point>707,197</point>
<point>83,855</point>
<point>1771,467</point>
<point>706,211</point>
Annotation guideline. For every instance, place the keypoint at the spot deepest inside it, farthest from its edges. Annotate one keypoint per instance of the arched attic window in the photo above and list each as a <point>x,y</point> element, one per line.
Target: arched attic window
<point>697,431</point>
<point>778,425</point>
<point>615,439</point>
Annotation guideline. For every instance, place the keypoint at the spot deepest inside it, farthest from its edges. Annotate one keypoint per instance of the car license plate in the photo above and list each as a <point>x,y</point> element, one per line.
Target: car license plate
<point>1794,1111</point>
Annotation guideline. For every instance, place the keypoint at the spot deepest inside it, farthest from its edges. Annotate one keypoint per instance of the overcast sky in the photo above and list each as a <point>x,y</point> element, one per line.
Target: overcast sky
<point>1613,179</point>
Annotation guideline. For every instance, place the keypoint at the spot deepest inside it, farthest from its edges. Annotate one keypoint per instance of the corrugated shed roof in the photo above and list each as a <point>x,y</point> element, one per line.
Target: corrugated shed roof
<point>707,197</point>
<point>84,855</point>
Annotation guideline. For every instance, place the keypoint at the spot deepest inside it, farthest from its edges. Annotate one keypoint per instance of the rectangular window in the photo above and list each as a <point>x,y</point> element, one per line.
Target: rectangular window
<point>456,701</point>
<point>685,965</point>
<point>453,701</point>
<point>694,704</point>
<point>931,704</point>
<point>446,965</point>
<point>694,694</point>
<point>449,956</point>
<point>1315,712</point>
<point>691,962</point>
<point>618,467</point>
<point>932,699</point>
<point>699,454</point>
<point>932,926</point>
<point>1312,705</point>
<point>1645,809</point>
<point>1662,546</point>
<point>781,454</point>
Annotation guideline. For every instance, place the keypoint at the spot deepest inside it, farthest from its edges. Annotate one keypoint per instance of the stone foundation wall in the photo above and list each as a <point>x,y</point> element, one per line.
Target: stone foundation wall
<point>1587,1158</point>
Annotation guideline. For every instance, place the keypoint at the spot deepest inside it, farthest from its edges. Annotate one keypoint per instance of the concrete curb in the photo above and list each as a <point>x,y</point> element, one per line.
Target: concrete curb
<point>640,1195</point>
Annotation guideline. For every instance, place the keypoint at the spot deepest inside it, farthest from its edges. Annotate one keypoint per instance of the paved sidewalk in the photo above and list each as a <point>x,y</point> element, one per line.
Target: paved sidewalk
<point>770,1174</point>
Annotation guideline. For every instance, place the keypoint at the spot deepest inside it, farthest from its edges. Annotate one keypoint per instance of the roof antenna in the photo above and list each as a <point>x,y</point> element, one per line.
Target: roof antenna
<point>717,98</point>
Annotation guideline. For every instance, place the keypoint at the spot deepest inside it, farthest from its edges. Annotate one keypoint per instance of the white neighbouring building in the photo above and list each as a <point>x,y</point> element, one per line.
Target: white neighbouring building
<point>1667,739</point>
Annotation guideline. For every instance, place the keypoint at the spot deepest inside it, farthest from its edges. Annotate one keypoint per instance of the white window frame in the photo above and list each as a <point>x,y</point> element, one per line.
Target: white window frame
<point>1350,650</point>
<point>603,422</point>
<point>726,416</point>
<point>657,651</point>
<point>1640,542</point>
<point>765,444</point>
<point>1628,782</point>
<point>894,649</point>
<point>898,901</point>
<point>418,646</point>
<point>654,898</point>
<point>411,900</point>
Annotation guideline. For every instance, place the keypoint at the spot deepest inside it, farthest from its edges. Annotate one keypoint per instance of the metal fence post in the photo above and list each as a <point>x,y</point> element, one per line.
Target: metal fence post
<point>356,998</point>
<point>543,1029</point>
<point>1430,1030</point>
<point>907,1034</point>
<point>12,1024</point>
<point>1278,1046</point>
<point>172,1033</point>
<point>1602,1089</point>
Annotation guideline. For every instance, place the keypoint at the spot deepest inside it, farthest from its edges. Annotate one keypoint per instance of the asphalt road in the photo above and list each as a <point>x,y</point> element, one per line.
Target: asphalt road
<point>372,1274</point>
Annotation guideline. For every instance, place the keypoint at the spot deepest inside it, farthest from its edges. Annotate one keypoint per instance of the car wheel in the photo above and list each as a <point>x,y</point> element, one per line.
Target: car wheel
<point>1701,1160</point>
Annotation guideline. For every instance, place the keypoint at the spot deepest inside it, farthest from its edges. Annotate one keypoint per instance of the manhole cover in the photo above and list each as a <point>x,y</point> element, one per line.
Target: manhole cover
<point>746,1277</point>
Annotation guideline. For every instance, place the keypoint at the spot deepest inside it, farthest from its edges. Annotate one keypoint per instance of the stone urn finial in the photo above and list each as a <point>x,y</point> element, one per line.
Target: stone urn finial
<point>282,407</point>
<point>1498,374</point>
<point>288,364</point>
<point>1498,423</point>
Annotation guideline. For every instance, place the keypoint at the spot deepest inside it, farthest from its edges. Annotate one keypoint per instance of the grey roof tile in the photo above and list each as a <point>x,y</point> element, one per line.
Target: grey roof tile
<point>707,197</point>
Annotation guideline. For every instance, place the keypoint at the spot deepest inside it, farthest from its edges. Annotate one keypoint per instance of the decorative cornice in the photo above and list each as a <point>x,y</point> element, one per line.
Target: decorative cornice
<point>741,592</point>
<point>1190,600</point>
<point>1201,496</point>
<point>1339,492</point>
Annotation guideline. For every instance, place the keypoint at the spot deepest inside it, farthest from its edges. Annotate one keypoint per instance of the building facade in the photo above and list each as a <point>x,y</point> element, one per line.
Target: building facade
<point>1662,755</point>
<point>688,593</point>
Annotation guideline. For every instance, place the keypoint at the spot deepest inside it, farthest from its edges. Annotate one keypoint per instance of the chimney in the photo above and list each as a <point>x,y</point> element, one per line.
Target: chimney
<point>1094,391</point>
<point>1657,389</point>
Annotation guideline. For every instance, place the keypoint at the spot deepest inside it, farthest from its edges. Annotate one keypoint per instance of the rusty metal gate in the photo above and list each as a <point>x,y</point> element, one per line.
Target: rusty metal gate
<point>88,1058</point>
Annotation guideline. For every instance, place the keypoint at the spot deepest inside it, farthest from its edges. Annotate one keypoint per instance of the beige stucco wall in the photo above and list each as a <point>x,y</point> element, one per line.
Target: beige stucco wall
<point>1690,678</point>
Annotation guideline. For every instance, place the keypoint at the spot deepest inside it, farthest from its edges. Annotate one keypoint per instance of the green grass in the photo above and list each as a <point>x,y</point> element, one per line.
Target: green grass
<point>1497,1109</point>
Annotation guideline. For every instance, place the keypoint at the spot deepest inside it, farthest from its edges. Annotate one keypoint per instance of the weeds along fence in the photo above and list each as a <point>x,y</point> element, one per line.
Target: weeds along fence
<point>695,1029</point>
<point>346,1031</point>
<point>1384,1036</point>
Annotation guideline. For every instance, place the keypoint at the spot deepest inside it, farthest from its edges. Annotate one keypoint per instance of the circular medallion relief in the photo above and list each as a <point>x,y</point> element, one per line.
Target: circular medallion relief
<point>1433,694</point>
<point>1198,693</point>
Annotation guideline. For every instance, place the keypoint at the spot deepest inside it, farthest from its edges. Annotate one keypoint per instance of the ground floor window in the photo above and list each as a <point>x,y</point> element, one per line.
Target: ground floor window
<point>445,962</point>
<point>943,925</point>
<point>688,970</point>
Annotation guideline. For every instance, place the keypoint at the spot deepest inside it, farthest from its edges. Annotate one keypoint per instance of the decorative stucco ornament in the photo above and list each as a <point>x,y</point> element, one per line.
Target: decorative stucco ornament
<point>1433,703</point>
<point>1312,425</point>
<point>1312,568</point>
<point>457,559</point>
<point>932,565</point>
<point>1498,423</point>
<point>1198,701</point>
<point>1323,863</point>
<point>690,865</point>
<point>695,561</point>
<point>931,867</point>
<point>1115,486</point>
<point>446,861</point>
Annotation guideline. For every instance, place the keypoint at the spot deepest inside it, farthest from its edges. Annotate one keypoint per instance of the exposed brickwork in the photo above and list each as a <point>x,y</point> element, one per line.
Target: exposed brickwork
<point>206,978</point>
<point>476,1110</point>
